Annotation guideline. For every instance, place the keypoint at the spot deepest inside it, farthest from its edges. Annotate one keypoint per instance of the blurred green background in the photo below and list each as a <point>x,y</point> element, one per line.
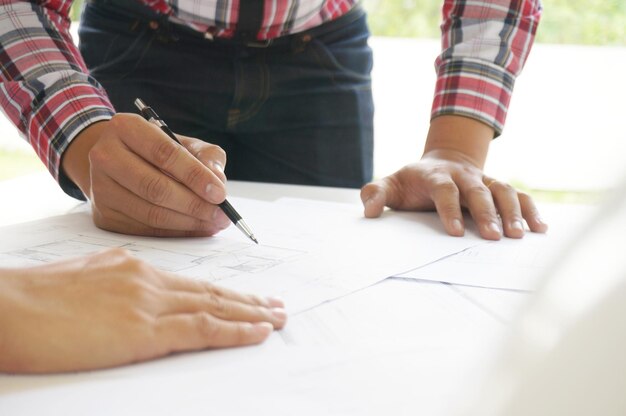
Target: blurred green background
<point>582,22</point>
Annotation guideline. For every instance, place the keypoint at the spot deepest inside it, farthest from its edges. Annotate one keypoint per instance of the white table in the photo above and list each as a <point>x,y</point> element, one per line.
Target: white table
<point>398,347</point>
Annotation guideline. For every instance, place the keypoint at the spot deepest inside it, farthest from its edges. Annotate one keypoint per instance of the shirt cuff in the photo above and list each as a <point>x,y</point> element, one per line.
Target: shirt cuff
<point>474,89</point>
<point>60,119</point>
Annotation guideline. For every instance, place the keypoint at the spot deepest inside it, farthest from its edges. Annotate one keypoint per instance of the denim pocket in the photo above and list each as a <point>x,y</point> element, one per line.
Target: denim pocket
<point>112,46</point>
<point>345,53</point>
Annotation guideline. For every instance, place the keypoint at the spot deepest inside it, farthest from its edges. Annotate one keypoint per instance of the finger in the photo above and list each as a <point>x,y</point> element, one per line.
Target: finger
<point>373,196</point>
<point>154,146</point>
<point>531,214</point>
<point>478,200</point>
<point>118,222</point>
<point>172,281</point>
<point>446,197</point>
<point>508,205</point>
<point>386,192</point>
<point>119,198</point>
<point>133,173</point>
<point>211,156</point>
<point>223,308</point>
<point>201,330</point>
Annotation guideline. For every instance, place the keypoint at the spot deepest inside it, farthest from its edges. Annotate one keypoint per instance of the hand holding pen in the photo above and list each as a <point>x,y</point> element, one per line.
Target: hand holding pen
<point>140,182</point>
<point>228,209</point>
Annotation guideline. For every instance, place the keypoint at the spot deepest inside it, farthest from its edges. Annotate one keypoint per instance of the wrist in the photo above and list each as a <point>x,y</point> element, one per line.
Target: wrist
<point>75,161</point>
<point>465,137</point>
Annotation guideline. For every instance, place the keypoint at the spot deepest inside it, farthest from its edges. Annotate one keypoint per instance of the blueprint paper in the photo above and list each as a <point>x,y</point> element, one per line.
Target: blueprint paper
<point>513,264</point>
<point>310,251</point>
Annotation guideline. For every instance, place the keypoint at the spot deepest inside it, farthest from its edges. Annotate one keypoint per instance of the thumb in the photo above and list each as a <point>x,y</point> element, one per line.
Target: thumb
<point>374,198</point>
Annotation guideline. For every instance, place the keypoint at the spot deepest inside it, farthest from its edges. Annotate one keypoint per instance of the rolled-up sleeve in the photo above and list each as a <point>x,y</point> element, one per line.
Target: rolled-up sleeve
<point>45,88</point>
<point>484,47</point>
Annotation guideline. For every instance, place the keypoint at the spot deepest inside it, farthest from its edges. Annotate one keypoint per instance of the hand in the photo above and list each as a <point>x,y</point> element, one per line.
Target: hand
<point>112,309</point>
<point>448,177</point>
<point>139,181</point>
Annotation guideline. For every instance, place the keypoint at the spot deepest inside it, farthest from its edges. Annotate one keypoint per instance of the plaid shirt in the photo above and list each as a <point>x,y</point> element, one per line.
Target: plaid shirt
<point>47,92</point>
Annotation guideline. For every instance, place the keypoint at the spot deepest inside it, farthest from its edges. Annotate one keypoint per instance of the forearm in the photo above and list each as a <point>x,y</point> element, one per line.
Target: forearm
<point>464,137</point>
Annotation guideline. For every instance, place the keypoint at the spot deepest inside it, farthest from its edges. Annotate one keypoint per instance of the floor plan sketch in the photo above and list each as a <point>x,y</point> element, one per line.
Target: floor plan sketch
<point>243,258</point>
<point>217,264</point>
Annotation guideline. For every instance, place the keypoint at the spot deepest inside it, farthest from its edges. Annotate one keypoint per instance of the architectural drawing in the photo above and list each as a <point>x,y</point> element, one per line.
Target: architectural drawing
<point>218,263</point>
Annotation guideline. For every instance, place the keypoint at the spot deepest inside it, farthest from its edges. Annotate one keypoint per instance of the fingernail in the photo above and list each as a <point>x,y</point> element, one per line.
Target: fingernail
<point>275,302</point>
<point>517,225</point>
<point>457,225</point>
<point>539,222</point>
<point>279,314</point>
<point>262,328</point>
<point>492,226</point>
<point>214,194</point>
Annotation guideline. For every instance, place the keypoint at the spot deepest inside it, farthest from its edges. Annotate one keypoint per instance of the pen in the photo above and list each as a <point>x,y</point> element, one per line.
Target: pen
<point>150,115</point>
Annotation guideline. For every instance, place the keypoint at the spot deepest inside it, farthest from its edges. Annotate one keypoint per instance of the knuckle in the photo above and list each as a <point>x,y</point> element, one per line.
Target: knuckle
<point>479,191</point>
<point>447,187</point>
<point>218,305</point>
<point>262,312</point>
<point>118,121</point>
<point>194,175</point>
<point>207,326</point>
<point>165,153</point>
<point>213,152</point>
<point>120,253</point>
<point>256,300</point>
<point>503,187</point>
<point>114,257</point>
<point>240,334</point>
<point>197,208</point>
<point>443,189</point>
<point>121,120</point>
<point>449,209</point>
<point>221,156</point>
<point>99,155</point>
<point>138,268</point>
<point>155,189</point>
<point>213,290</point>
<point>157,216</point>
<point>136,288</point>
<point>221,153</point>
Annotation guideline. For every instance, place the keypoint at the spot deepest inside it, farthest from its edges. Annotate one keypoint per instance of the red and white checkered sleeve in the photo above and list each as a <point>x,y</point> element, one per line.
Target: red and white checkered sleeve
<point>484,47</point>
<point>45,88</point>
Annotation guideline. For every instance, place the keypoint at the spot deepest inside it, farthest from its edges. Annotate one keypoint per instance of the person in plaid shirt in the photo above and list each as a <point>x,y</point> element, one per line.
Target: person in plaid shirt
<point>280,86</point>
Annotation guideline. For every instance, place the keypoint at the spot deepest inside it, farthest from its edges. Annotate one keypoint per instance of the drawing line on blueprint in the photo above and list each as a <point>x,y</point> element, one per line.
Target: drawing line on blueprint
<point>216,264</point>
